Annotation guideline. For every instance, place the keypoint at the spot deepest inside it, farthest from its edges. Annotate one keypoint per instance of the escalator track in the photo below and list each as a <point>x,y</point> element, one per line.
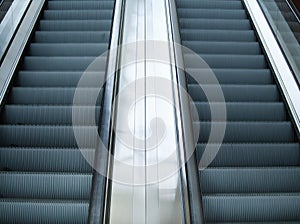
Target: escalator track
<point>43,176</point>
<point>255,176</point>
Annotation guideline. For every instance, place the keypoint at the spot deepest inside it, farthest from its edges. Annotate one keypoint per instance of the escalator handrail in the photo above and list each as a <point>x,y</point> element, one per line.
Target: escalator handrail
<point>10,24</point>
<point>17,44</point>
<point>283,74</point>
<point>280,35</point>
<point>192,177</point>
<point>99,209</point>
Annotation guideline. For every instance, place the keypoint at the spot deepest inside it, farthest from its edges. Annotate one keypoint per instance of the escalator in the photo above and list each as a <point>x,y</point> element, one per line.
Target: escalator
<point>255,176</point>
<point>43,176</point>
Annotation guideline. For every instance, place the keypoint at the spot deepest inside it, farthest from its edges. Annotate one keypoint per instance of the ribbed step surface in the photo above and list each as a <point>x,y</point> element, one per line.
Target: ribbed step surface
<point>44,177</point>
<point>59,95</point>
<point>43,211</point>
<point>251,93</point>
<point>45,159</point>
<point>58,79</point>
<point>94,49</point>
<point>254,154</point>
<point>41,185</point>
<point>234,76</point>
<point>243,111</point>
<point>75,25</point>
<point>237,208</point>
<point>72,37</point>
<point>255,175</point>
<point>59,63</point>
<point>49,115</point>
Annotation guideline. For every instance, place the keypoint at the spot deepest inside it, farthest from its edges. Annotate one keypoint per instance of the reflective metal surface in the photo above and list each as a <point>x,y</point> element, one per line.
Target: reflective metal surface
<point>146,142</point>
<point>192,178</point>
<point>18,44</point>
<point>284,76</point>
<point>10,23</point>
<point>99,210</point>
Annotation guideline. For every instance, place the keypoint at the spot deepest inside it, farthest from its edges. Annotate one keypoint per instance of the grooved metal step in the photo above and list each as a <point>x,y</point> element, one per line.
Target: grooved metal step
<point>45,159</point>
<point>250,132</point>
<point>255,175</point>
<point>43,211</point>
<point>243,111</point>
<point>59,78</point>
<point>66,49</point>
<point>254,154</point>
<point>44,175</point>
<point>71,37</point>
<point>251,93</point>
<point>49,115</point>
<point>259,207</point>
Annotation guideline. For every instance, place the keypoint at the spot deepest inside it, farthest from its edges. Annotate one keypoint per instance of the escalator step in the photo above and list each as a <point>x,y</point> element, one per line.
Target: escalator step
<point>53,96</point>
<point>61,63</point>
<point>79,5</point>
<point>75,25</point>
<point>210,4</point>
<point>47,136</point>
<point>65,49</point>
<point>59,79</point>
<point>250,180</point>
<point>43,211</point>
<point>255,208</point>
<point>217,35</point>
<point>243,111</point>
<point>63,186</point>
<point>71,37</point>
<point>207,13</point>
<point>77,15</point>
<point>205,47</point>
<point>49,115</point>
<point>254,154</point>
<point>236,93</point>
<point>227,61</point>
<point>46,159</point>
<point>216,24</point>
<point>232,76</point>
<point>249,132</point>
